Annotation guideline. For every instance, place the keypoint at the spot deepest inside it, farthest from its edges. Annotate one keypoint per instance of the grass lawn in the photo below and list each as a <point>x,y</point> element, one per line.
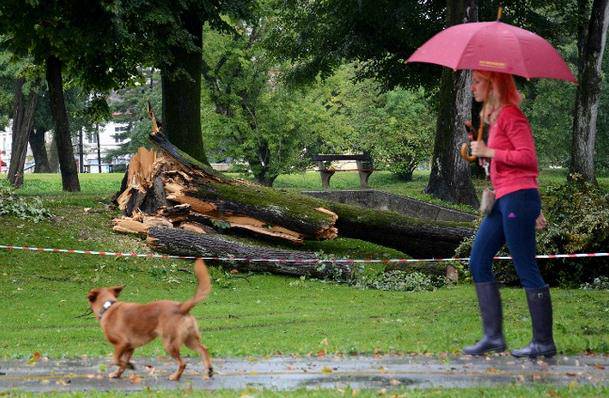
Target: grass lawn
<point>43,294</point>
<point>504,392</point>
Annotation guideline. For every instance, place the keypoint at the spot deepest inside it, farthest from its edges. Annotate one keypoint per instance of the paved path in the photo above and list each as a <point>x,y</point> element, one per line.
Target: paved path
<point>284,373</point>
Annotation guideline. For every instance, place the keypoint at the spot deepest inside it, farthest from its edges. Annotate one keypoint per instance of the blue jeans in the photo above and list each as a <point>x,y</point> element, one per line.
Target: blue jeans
<point>511,221</point>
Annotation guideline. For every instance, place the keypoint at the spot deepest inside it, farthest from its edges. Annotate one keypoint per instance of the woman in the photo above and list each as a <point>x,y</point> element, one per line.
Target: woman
<point>514,217</point>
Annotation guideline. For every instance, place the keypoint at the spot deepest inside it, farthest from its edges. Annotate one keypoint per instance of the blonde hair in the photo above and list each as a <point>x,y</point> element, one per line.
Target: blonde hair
<point>501,91</point>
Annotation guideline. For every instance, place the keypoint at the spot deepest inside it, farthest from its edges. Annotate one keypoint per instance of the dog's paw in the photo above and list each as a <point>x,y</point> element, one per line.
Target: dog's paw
<point>115,375</point>
<point>174,377</point>
<point>210,372</point>
<point>130,366</point>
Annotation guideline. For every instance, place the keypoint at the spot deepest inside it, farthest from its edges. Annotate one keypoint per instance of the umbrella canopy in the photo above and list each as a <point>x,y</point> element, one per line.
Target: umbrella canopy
<point>496,47</point>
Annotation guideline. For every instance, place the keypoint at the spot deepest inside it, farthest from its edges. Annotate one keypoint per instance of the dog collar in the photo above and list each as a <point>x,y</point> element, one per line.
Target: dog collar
<point>105,307</point>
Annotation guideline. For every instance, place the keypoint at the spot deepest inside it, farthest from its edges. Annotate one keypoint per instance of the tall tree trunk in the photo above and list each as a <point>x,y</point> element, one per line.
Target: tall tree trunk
<point>39,151</point>
<point>53,156</point>
<point>450,177</point>
<point>23,119</point>
<point>588,93</point>
<point>181,87</point>
<point>583,20</point>
<point>99,160</point>
<point>81,155</point>
<point>65,152</point>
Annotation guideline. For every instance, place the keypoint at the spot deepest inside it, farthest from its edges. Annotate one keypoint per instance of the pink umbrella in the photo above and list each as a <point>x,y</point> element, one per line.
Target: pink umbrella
<point>494,46</point>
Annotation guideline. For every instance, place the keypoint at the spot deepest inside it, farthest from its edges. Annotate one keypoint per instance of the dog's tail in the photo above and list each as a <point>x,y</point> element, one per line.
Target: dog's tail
<point>203,288</point>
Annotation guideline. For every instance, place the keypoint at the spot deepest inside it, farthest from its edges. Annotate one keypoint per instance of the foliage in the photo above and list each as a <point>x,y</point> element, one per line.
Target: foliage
<point>318,37</point>
<point>129,105</point>
<point>549,106</point>
<point>400,281</point>
<point>600,283</point>
<point>85,36</point>
<point>579,223</point>
<point>250,116</point>
<point>17,206</point>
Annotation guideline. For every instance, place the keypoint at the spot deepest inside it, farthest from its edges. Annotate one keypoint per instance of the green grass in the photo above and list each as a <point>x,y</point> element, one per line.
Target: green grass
<point>510,391</point>
<point>42,295</point>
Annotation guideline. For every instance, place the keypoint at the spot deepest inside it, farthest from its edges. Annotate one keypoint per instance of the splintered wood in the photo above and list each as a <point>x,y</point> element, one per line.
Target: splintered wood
<point>172,193</point>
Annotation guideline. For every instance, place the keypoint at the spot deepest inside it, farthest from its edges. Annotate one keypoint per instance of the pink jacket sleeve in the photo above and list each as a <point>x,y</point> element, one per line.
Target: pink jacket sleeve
<point>518,131</point>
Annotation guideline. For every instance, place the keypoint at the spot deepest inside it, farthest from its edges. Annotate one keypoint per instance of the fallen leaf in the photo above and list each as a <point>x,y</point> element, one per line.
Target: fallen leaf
<point>573,385</point>
<point>321,353</point>
<point>63,382</point>
<point>326,370</point>
<point>324,342</point>
<point>135,379</point>
<point>395,382</point>
<point>34,358</point>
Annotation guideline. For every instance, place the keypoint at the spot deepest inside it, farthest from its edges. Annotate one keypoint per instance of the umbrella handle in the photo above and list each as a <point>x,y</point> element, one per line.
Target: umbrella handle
<point>464,152</point>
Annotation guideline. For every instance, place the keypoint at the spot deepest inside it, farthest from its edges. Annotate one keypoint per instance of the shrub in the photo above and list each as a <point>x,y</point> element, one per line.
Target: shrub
<point>578,222</point>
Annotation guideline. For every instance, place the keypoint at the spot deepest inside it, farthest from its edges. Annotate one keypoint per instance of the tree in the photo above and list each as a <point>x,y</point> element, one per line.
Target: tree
<point>23,118</point>
<point>252,115</point>
<point>404,118</point>
<point>169,34</point>
<point>319,36</point>
<point>129,105</point>
<point>450,177</point>
<point>82,39</point>
<point>588,92</point>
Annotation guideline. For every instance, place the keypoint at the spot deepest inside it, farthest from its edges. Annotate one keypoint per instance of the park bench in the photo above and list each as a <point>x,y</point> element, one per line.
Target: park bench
<point>364,167</point>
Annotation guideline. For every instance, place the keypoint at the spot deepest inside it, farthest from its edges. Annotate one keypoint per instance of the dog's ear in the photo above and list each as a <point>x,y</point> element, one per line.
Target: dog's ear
<point>92,295</point>
<point>117,290</point>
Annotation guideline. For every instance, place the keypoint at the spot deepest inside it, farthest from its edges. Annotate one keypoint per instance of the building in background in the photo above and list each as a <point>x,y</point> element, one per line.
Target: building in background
<point>110,136</point>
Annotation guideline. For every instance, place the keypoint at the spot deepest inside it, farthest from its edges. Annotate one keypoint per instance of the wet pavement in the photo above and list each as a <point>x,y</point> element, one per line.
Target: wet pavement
<point>286,373</point>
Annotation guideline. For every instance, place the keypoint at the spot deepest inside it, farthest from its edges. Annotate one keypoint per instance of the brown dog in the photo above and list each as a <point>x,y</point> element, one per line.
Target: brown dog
<point>131,325</point>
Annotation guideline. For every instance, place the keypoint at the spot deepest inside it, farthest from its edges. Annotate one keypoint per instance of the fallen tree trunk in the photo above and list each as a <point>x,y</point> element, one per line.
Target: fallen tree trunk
<point>187,243</point>
<point>418,237</point>
<point>157,182</point>
<point>171,187</point>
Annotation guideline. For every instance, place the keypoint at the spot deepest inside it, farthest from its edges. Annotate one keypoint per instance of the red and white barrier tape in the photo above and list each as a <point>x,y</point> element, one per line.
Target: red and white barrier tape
<point>285,260</point>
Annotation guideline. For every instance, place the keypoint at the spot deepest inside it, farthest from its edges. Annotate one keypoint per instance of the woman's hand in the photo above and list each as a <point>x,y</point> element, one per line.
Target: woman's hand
<point>480,149</point>
<point>541,222</point>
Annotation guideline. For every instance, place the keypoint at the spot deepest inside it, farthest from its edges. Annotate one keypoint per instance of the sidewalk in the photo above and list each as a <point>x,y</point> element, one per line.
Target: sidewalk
<point>285,373</point>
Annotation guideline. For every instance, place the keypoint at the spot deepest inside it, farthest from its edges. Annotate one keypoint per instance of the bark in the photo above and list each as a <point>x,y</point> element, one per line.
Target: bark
<point>416,237</point>
<point>39,150</point>
<point>99,160</point>
<point>187,243</point>
<point>65,152</point>
<point>81,155</point>
<point>23,119</point>
<point>588,93</point>
<point>53,155</point>
<point>181,86</point>
<point>450,177</point>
